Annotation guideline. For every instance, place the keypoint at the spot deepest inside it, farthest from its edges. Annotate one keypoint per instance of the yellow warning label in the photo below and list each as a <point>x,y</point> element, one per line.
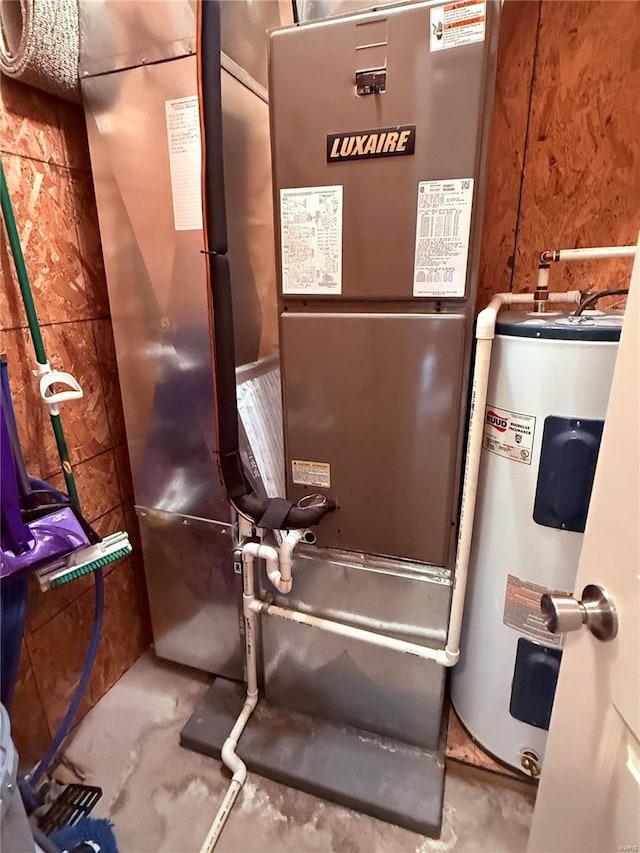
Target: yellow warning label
<point>305,473</point>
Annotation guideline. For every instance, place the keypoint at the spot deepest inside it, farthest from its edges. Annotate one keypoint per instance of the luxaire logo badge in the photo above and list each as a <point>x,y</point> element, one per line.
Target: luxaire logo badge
<point>497,421</point>
<point>366,144</point>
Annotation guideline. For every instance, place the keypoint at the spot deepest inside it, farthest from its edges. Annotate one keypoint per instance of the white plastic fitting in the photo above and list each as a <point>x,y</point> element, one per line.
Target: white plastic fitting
<point>49,378</point>
<point>286,558</point>
<point>278,561</point>
<point>270,555</point>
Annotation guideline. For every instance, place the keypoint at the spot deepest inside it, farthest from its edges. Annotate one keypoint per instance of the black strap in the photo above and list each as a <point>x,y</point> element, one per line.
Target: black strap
<point>275,513</point>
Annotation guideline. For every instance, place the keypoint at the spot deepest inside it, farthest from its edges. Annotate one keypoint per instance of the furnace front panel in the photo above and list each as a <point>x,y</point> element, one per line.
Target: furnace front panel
<point>378,124</point>
<point>374,400</point>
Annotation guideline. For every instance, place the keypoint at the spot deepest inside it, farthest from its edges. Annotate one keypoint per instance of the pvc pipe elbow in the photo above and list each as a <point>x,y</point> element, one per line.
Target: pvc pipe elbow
<point>286,549</point>
<point>283,585</point>
<point>449,657</point>
<point>231,760</point>
<point>486,323</point>
<point>281,577</point>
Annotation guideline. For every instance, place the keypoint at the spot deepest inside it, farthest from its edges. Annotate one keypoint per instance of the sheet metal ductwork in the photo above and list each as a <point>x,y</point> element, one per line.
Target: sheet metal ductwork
<point>139,86</point>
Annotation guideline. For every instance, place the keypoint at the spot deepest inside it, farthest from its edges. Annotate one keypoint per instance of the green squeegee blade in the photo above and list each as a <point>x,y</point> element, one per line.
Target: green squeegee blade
<point>79,571</point>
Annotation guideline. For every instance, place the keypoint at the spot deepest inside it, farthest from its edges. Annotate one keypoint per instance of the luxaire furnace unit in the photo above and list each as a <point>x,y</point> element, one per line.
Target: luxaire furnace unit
<point>378,125</point>
<point>379,122</point>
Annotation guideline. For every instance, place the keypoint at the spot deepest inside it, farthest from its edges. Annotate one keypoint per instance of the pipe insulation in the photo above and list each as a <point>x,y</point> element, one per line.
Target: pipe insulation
<point>40,44</point>
<point>268,513</point>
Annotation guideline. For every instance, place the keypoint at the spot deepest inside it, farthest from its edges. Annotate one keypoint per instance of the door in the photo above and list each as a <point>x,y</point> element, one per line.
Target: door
<point>589,796</point>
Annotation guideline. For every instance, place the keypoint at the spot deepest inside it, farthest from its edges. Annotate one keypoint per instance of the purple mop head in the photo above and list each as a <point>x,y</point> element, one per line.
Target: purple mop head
<point>41,541</point>
<point>52,537</point>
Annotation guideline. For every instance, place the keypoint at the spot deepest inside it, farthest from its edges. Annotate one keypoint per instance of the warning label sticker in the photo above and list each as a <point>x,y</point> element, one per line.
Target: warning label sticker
<point>443,223</point>
<point>509,434</point>
<point>304,473</point>
<point>457,24</point>
<point>311,237</point>
<point>522,611</point>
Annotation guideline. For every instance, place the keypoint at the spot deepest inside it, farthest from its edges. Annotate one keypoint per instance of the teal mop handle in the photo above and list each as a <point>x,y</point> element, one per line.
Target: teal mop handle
<point>34,328</point>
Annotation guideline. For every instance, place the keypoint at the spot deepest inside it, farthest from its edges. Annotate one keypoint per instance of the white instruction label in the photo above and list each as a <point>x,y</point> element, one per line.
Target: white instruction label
<point>443,223</point>
<point>311,236</point>
<point>509,434</point>
<point>457,24</point>
<point>304,473</point>
<point>183,133</point>
<point>522,611</point>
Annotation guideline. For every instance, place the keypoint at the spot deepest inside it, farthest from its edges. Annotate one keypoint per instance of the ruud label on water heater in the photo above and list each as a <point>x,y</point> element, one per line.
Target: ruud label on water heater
<point>365,144</point>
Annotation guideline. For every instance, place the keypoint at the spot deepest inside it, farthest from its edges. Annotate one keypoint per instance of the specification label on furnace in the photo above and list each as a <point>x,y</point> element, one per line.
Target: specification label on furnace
<point>311,236</point>
<point>457,24</point>
<point>305,473</point>
<point>443,223</point>
<point>522,611</point>
<point>509,434</point>
<point>183,135</point>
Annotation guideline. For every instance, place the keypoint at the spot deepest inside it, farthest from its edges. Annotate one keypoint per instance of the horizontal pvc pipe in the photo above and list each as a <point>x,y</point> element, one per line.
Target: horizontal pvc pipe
<point>596,253</point>
<point>381,640</point>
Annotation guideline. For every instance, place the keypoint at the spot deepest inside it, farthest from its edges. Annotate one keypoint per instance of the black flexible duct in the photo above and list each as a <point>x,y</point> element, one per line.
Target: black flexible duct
<point>274,513</point>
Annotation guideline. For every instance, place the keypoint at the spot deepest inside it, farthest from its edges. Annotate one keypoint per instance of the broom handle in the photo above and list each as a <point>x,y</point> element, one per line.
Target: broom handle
<point>34,328</point>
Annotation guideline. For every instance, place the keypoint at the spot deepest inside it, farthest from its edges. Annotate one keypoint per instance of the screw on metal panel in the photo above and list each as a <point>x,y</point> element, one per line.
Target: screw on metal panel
<point>530,762</point>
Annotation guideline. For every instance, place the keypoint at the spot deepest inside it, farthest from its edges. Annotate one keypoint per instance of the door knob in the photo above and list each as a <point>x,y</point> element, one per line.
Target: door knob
<point>562,613</point>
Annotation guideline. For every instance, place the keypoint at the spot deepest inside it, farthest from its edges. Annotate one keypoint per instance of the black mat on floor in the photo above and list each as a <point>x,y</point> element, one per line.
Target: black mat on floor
<point>378,776</point>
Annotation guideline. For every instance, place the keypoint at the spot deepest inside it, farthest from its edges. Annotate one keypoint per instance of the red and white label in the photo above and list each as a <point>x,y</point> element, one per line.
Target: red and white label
<point>522,611</point>
<point>457,24</point>
<point>509,434</point>
<point>496,421</point>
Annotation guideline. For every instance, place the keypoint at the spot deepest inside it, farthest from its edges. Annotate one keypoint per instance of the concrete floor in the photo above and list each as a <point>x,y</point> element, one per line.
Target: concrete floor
<point>162,798</point>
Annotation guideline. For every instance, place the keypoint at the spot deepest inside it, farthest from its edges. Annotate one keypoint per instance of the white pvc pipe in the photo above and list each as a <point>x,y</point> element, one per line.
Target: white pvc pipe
<point>279,565</point>
<point>485,332</point>
<point>221,817</point>
<point>239,769</point>
<point>589,254</point>
<point>342,630</point>
<point>286,558</point>
<point>270,555</point>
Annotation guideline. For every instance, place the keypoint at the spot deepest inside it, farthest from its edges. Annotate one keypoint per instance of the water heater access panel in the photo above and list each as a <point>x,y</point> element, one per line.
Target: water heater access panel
<point>379,123</point>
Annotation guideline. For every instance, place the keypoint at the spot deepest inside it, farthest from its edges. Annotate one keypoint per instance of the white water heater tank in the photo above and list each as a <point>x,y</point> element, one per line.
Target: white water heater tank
<point>548,391</point>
